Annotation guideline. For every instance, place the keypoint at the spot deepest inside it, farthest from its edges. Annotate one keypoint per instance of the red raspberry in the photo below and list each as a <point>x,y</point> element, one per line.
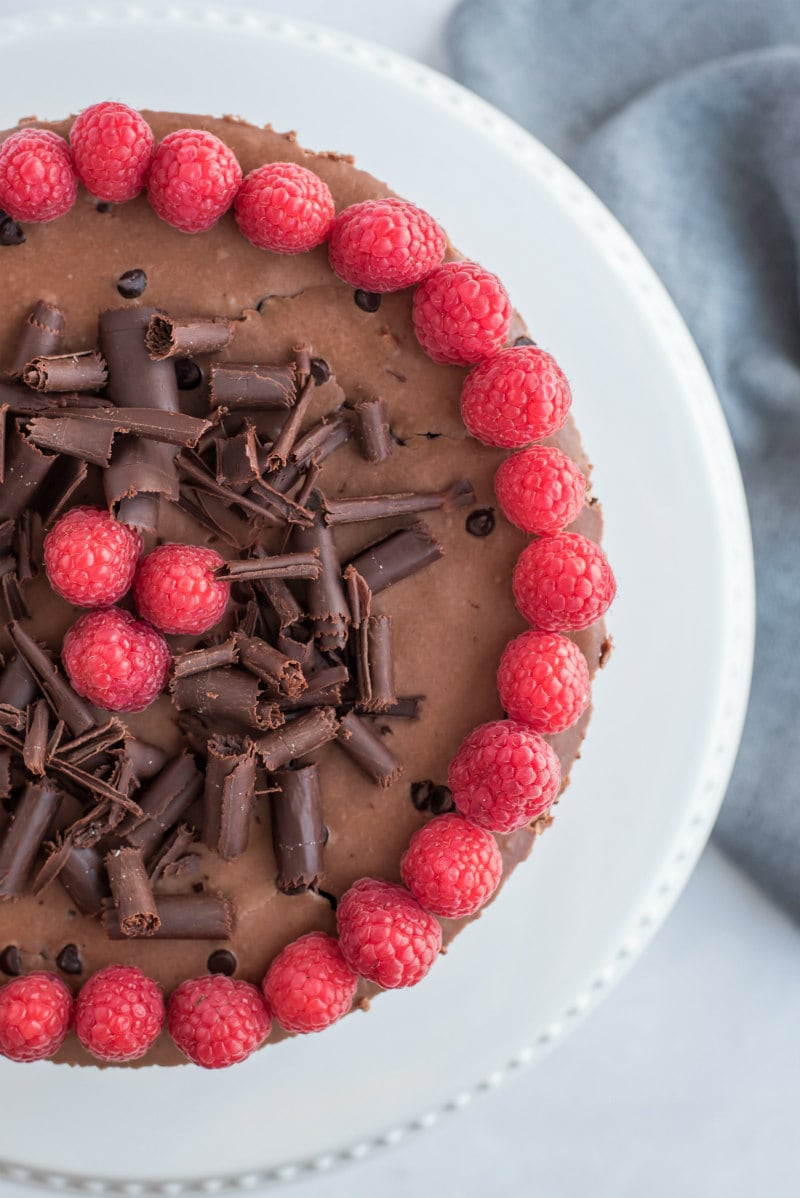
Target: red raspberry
<point>90,557</point>
<point>519,396</point>
<point>35,1014</point>
<point>461,313</point>
<point>503,776</point>
<point>115,661</point>
<point>119,1014</point>
<point>217,1021</point>
<point>112,148</point>
<point>384,245</point>
<point>37,179</point>
<point>543,681</point>
<point>193,179</point>
<point>310,985</point>
<point>451,866</point>
<point>385,935</point>
<point>540,489</point>
<point>175,588</point>
<point>563,583</point>
<point>284,207</point>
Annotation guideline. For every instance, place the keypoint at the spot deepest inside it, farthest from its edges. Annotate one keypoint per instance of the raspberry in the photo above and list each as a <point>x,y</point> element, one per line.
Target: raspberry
<point>451,866</point>
<point>90,557</point>
<point>540,489</point>
<point>563,583</point>
<point>175,588</point>
<point>115,661</point>
<point>35,1014</point>
<point>112,148</point>
<point>119,1014</point>
<point>217,1021</point>
<point>37,179</point>
<point>310,985</point>
<point>519,396</point>
<point>461,313</point>
<point>384,245</point>
<point>385,935</point>
<point>503,776</point>
<point>284,207</point>
<point>543,681</point>
<point>193,179</point>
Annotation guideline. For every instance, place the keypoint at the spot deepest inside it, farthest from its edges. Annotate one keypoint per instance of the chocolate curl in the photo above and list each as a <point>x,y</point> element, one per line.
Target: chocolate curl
<point>193,470</point>
<point>35,749</point>
<point>373,430</point>
<point>302,364</point>
<point>324,690</point>
<point>303,735</point>
<point>132,893</point>
<point>375,665</point>
<point>66,372</point>
<point>230,695</point>
<point>59,487</point>
<point>23,838</point>
<point>298,833</point>
<point>359,596</point>
<point>217,519</point>
<point>251,385</point>
<point>165,801</point>
<point>303,651</point>
<point>147,760</point>
<point>59,694</point>
<point>140,470</point>
<point>368,751</point>
<point>18,686</point>
<point>28,529</point>
<point>237,459</point>
<point>200,661</point>
<point>13,598</point>
<point>407,707</point>
<point>185,336</point>
<point>5,786</point>
<point>397,557</point>
<point>80,871</point>
<point>282,602</point>
<point>96,740</point>
<point>283,675</point>
<point>183,917</point>
<point>284,443</point>
<point>325,597</point>
<point>25,470</point>
<point>88,433</point>
<point>286,565</point>
<point>41,335</point>
<point>316,445</point>
<point>359,508</point>
<point>289,509</point>
<point>229,798</point>
<point>176,857</point>
<point>13,718</point>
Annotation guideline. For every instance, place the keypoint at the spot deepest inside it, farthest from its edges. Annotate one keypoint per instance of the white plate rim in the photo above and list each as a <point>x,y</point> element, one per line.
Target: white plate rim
<point>625,256</point>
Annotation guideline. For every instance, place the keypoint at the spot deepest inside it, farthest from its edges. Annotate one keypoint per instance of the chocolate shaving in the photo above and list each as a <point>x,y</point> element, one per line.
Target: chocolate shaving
<point>146,759</point>
<point>298,832</point>
<point>397,557</point>
<point>25,470</point>
<point>185,336</point>
<point>287,565</point>
<point>12,717</point>
<point>81,873</point>
<point>183,917</point>
<point>237,459</point>
<point>375,665</point>
<point>302,736</point>
<point>284,443</point>
<point>89,433</point>
<point>372,754</point>
<point>132,893</point>
<point>282,602</point>
<point>176,857</point>
<point>5,783</point>
<point>164,802</point>
<point>359,596</point>
<point>289,509</point>
<point>373,430</point>
<point>94,785</point>
<point>229,797</point>
<point>230,695</point>
<point>59,487</point>
<point>199,661</point>
<point>59,694</point>
<point>407,707</point>
<point>325,597</point>
<point>14,600</point>
<point>41,335</point>
<point>251,385</point>
<point>23,838</point>
<point>216,518</point>
<point>27,524</point>
<point>324,690</point>
<point>302,364</point>
<point>302,651</point>
<point>283,675</point>
<point>35,747</point>
<point>66,372</point>
<point>8,533</point>
<point>356,509</point>
<point>198,476</point>
<point>95,740</point>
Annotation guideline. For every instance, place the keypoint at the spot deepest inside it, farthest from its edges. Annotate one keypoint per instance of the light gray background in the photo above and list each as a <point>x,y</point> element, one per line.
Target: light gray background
<point>687,1080</point>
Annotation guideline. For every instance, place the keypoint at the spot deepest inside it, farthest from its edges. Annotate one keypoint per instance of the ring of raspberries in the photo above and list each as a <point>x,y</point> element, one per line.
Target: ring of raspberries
<point>503,776</point>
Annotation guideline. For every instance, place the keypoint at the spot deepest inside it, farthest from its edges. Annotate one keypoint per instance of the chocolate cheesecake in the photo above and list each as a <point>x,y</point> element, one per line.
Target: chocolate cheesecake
<point>305,436</point>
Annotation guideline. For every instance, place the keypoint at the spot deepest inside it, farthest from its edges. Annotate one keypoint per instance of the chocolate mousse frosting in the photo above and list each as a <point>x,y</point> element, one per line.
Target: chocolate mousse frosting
<point>254,403</point>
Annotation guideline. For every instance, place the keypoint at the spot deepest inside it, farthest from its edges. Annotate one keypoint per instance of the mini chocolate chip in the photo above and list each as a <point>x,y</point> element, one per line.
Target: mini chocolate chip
<point>524,341</point>
<point>69,959</point>
<point>10,961</point>
<point>198,887</point>
<point>421,793</point>
<point>131,284</point>
<point>320,371</point>
<point>442,800</point>
<point>480,522</point>
<point>367,301</point>
<point>222,961</point>
<point>427,796</point>
<point>188,374</point>
<point>103,206</point>
<point>10,232</point>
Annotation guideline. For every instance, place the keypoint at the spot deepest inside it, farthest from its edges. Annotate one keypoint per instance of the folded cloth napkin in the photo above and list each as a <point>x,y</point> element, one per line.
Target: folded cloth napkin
<point>684,117</point>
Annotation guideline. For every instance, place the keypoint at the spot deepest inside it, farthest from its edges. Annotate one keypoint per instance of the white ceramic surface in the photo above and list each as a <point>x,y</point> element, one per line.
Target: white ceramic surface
<point>669,711</point>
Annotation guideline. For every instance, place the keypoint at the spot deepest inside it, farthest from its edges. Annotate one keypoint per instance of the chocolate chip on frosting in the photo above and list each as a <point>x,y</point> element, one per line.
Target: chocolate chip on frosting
<point>480,523</point>
<point>367,301</point>
<point>188,374</point>
<point>131,284</point>
<point>69,960</point>
<point>10,231</point>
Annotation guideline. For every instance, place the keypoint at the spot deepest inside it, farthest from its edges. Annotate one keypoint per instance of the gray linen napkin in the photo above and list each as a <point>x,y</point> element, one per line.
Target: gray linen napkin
<point>684,117</point>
